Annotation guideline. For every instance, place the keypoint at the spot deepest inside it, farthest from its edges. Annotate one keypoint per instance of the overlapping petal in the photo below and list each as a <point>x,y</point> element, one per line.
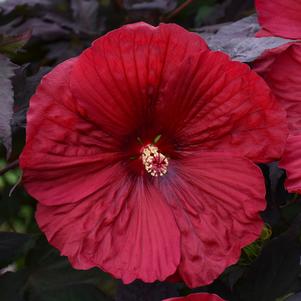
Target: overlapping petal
<point>121,75</point>
<point>125,228</point>
<point>64,149</point>
<point>280,18</point>
<point>213,103</point>
<point>281,68</point>
<point>197,297</point>
<point>216,199</point>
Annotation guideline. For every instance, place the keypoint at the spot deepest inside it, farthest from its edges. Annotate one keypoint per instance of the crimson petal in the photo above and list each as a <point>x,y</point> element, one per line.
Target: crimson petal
<point>59,155</point>
<point>126,229</point>
<point>197,297</point>
<point>216,199</point>
<point>280,18</point>
<point>121,75</point>
<point>212,103</point>
<point>93,204</point>
<point>281,69</point>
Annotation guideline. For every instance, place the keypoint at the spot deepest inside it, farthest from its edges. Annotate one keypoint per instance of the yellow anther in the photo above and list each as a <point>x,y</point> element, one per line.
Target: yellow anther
<point>154,162</point>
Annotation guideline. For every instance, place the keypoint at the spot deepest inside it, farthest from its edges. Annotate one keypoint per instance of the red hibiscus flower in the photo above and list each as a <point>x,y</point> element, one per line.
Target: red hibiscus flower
<point>197,297</point>
<point>279,18</point>
<point>139,153</point>
<point>281,68</point>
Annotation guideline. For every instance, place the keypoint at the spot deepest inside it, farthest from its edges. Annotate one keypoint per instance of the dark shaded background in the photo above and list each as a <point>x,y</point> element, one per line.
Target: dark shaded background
<point>37,35</point>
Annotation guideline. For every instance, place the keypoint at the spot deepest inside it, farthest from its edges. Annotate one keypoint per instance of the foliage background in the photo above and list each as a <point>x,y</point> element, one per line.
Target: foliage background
<point>35,35</point>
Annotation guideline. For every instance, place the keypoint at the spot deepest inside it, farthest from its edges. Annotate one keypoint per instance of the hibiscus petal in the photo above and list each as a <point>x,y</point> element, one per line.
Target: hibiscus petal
<point>213,103</point>
<point>120,76</point>
<point>281,69</point>
<point>291,162</point>
<point>197,297</point>
<point>280,18</point>
<point>126,229</point>
<point>216,199</point>
<point>59,156</point>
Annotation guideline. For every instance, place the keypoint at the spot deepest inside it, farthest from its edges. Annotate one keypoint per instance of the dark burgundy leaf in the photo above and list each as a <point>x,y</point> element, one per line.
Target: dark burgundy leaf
<point>86,14</point>
<point>235,9</point>
<point>63,50</point>
<point>238,40</point>
<point>276,272</point>
<point>11,285</point>
<point>6,101</point>
<point>47,23</point>
<point>139,291</point>
<point>296,297</point>
<point>279,195</point>
<point>51,277</point>
<point>10,5</point>
<point>12,245</point>
<point>24,88</point>
<point>161,5</point>
<point>43,29</point>
<point>80,292</point>
<point>9,205</point>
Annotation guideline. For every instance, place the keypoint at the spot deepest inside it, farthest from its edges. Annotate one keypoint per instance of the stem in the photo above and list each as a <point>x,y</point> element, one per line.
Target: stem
<point>177,10</point>
<point>9,166</point>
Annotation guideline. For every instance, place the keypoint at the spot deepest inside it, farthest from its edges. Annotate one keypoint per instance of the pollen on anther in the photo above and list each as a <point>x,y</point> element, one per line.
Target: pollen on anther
<point>154,162</point>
